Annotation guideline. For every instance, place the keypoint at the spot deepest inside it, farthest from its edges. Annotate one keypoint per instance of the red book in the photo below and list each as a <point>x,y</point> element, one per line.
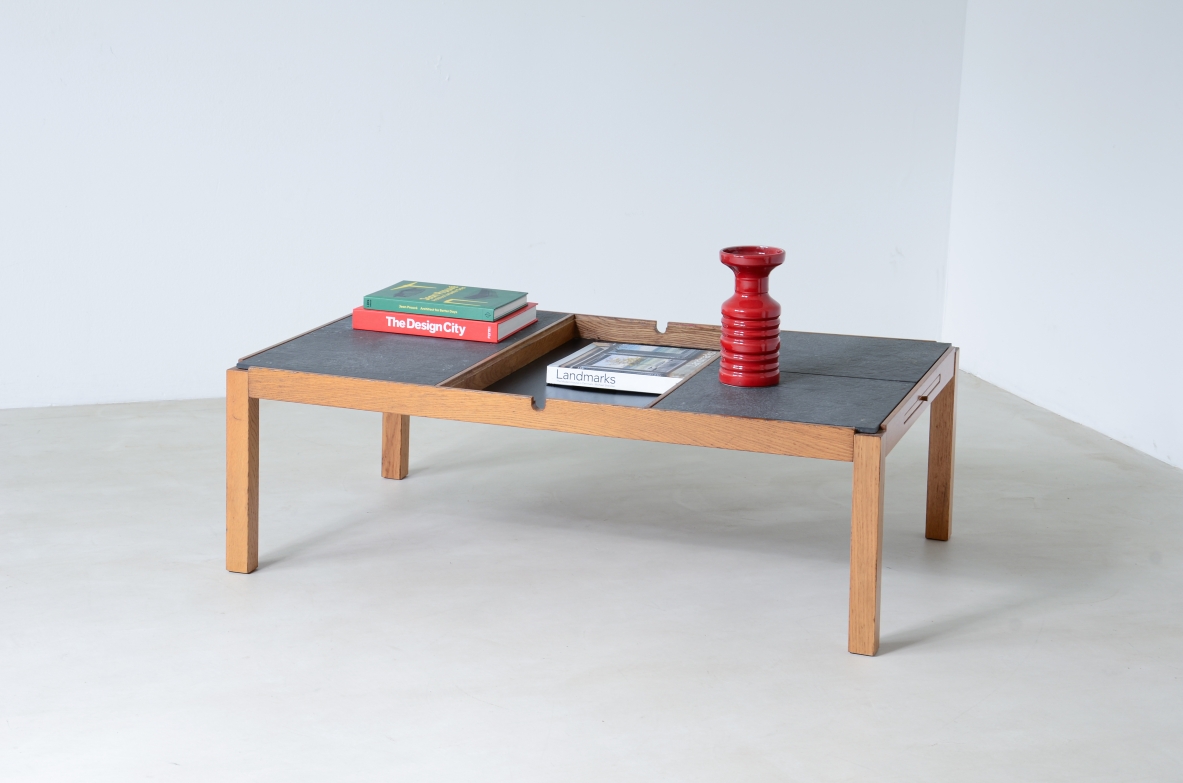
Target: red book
<point>442,326</point>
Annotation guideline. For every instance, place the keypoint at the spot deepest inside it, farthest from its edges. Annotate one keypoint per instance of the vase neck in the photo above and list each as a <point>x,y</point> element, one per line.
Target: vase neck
<point>751,281</point>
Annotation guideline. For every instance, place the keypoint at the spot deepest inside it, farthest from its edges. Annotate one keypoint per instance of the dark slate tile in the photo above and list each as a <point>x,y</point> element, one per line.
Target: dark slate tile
<point>883,358</point>
<point>339,349</point>
<point>839,401</point>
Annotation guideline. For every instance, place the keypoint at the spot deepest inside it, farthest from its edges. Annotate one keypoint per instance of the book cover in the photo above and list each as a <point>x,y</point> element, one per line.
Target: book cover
<point>450,301</point>
<point>450,328</point>
<point>650,369</point>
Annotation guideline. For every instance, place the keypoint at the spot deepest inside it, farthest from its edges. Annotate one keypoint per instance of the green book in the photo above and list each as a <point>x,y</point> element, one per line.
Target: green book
<point>457,301</point>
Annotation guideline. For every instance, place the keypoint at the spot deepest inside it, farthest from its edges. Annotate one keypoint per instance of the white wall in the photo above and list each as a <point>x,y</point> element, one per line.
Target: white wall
<point>1066,247</point>
<point>181,184</point>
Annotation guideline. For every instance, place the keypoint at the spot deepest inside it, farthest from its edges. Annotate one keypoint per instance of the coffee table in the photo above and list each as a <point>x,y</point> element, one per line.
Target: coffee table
<point>840,397</point>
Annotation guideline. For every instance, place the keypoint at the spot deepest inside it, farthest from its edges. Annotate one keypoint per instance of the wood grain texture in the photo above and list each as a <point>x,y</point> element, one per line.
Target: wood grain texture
<point>242,474</point>
<point>695,429</point>
<point>516,356</point>
<point>396,445</point>
<point>907,413</point>
<point>942,439</point>
<point>866,544</point>
<point>633,330</point>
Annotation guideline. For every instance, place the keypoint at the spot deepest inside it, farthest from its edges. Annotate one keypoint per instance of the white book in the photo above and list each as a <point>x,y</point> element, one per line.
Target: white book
<point>649,369</point>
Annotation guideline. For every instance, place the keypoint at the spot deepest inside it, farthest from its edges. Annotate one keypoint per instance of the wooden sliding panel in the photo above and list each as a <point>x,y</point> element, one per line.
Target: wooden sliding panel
<point>396,445</point>
<point>942,432</point>
<point>513,358</point>
<point>514,410</point>
<point>866,544</point>
<point>907,413</point>
<point>634,330</point>
<point>242,474</point>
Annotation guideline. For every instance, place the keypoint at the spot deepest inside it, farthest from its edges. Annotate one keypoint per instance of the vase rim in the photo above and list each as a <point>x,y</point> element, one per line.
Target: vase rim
<point>754,255</point>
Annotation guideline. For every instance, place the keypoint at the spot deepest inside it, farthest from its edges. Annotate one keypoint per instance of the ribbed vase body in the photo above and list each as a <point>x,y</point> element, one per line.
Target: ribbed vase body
<point>751,319</point>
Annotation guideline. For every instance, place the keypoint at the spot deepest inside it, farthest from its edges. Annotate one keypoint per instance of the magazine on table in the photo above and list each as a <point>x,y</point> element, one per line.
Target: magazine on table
<point>649,369</point>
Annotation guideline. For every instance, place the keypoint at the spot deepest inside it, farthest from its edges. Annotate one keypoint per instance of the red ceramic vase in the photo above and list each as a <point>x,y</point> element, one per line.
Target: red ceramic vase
<point>751,319</point>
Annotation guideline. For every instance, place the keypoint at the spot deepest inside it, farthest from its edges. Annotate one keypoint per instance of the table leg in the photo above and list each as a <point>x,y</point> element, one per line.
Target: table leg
<point>242,475</point>
<point>941,435</point>
<point>396,445</point>
<point>866,544</point>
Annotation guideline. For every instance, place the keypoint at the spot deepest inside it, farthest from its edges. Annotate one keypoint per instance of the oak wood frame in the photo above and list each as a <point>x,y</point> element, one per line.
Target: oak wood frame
<point>242,474</point>
<point>396,445</point>
<point>866,543</point>
<point>942,435</point>
<point>461,398</point>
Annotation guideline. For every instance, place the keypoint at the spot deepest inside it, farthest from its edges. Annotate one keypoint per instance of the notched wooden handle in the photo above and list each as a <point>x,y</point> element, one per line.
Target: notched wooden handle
<point>635,330</point>
<point>927,393</point>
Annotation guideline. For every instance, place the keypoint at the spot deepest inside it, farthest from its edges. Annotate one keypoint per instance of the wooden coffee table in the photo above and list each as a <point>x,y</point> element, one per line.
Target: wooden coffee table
<point>840,398</point>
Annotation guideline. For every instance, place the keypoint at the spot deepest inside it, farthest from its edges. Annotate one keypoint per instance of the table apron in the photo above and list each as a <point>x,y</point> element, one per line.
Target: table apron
<point>693,429</point>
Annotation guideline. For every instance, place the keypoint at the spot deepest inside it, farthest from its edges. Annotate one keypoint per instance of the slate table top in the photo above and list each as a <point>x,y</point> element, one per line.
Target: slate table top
<point>831,379</point>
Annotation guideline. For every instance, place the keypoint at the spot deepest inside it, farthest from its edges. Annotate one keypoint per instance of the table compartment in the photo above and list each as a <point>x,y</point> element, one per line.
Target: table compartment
<point>515,376</point>
<point>530,381</point>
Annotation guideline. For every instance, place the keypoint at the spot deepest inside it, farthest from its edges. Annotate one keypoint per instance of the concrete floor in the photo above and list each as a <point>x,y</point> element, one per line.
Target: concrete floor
<point>534,606</point>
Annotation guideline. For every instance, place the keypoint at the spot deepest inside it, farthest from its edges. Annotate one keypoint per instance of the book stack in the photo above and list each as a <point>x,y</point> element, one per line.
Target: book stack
<point>454,312</point>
